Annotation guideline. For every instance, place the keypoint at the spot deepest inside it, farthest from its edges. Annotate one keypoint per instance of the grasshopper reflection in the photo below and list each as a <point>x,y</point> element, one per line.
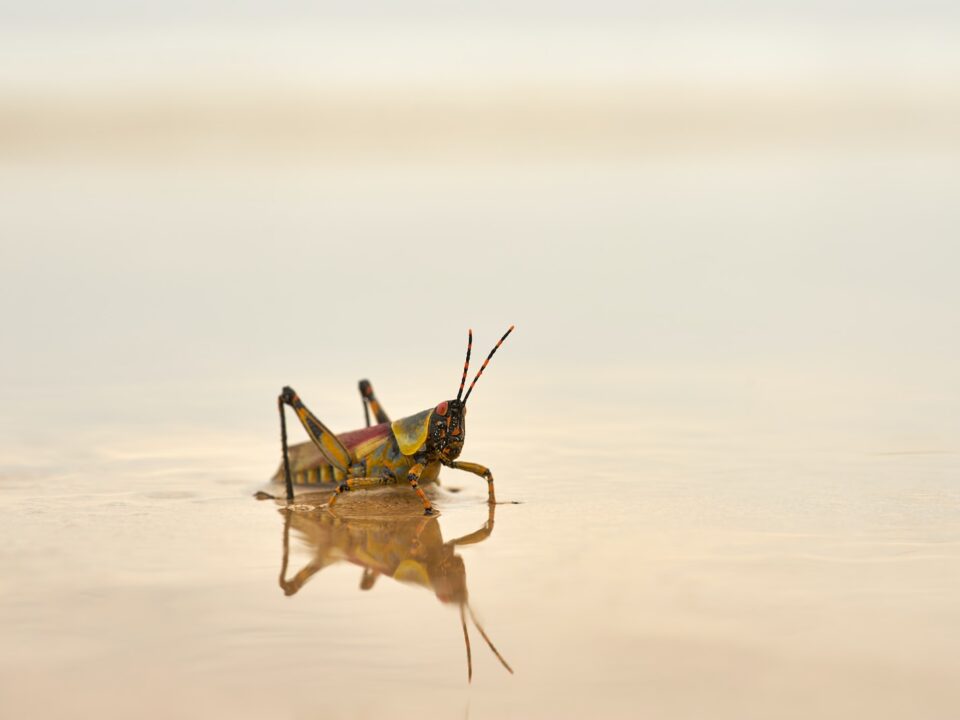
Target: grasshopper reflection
<point>410,550</point>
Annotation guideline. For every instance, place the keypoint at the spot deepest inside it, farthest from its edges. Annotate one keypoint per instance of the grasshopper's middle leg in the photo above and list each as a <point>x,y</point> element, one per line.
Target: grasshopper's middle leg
<point>360,483</point>
<point>413,477</point>
<point>480,470</point>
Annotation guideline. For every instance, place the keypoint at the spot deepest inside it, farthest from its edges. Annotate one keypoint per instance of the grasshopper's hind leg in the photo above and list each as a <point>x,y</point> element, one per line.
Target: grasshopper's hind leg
<point>327,443</point>
<point>286,453</point>
<point>370,402</point>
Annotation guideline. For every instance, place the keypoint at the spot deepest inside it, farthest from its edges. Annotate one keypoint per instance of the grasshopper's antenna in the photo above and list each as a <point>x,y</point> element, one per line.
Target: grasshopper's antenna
<point>466,639</point>
<point>480,627</point>
<point>484,366</point>
<point>466,366</point>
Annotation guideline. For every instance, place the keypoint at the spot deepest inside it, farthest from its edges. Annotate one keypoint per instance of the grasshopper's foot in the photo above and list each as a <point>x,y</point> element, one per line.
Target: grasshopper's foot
<point>491,495</point>
<point>341,488</point>
<point>414,477</point>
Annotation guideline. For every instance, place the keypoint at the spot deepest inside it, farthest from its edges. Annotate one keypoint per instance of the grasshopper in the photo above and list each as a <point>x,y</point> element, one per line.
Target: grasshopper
<point>407,549</point>
<point>410,449</point>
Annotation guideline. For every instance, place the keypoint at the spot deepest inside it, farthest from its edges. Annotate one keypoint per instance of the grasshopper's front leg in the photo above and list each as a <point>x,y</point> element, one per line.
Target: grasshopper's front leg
<point>476,469</point>
<point>413,476</point>
<point>477,536</point>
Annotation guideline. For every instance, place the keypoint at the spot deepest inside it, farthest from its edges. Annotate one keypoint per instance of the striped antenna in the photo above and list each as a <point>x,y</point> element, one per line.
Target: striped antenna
<point>484,366</point>
<point>466,640</point>
<point>466,363</point>
<point>480,627</point>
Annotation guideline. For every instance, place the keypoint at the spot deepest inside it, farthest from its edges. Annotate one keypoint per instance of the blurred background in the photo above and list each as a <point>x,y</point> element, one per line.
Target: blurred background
<point>726,232</point>
<point>747,194</point>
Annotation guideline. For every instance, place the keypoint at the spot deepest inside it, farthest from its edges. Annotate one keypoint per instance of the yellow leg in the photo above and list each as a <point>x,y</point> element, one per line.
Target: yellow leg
<point>477,535</point>
<point>361,483</point>
<point>414,478</point>
<point>480,470</point>
<point>327,443</point>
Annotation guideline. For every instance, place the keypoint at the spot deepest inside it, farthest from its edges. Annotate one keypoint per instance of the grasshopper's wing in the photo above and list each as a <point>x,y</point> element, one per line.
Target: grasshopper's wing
<point>411,432</point>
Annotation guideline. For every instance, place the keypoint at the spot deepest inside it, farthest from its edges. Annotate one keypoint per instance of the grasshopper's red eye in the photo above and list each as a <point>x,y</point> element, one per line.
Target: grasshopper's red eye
<point>442,408</point>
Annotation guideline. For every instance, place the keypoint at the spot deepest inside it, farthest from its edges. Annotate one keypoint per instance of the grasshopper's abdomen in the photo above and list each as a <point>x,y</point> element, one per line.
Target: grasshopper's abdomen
<point>308,466</point>
<point>374,453</point>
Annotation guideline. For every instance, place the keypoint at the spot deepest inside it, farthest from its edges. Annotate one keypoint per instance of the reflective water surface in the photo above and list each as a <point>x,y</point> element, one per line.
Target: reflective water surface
<point>681,575</point>
<point>386,539</point>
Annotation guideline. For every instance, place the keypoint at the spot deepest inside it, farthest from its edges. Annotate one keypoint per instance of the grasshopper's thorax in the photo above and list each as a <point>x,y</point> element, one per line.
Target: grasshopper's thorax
<point>447,430</point>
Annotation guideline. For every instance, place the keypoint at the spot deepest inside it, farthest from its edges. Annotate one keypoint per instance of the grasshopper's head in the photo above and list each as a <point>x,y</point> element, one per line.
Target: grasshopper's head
<point>449,579</point>
<point>447,430</point>
<point>448,422</point>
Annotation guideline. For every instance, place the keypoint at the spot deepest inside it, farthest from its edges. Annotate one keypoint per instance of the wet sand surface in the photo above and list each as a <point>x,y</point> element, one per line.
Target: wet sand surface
<point>680,573</point>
